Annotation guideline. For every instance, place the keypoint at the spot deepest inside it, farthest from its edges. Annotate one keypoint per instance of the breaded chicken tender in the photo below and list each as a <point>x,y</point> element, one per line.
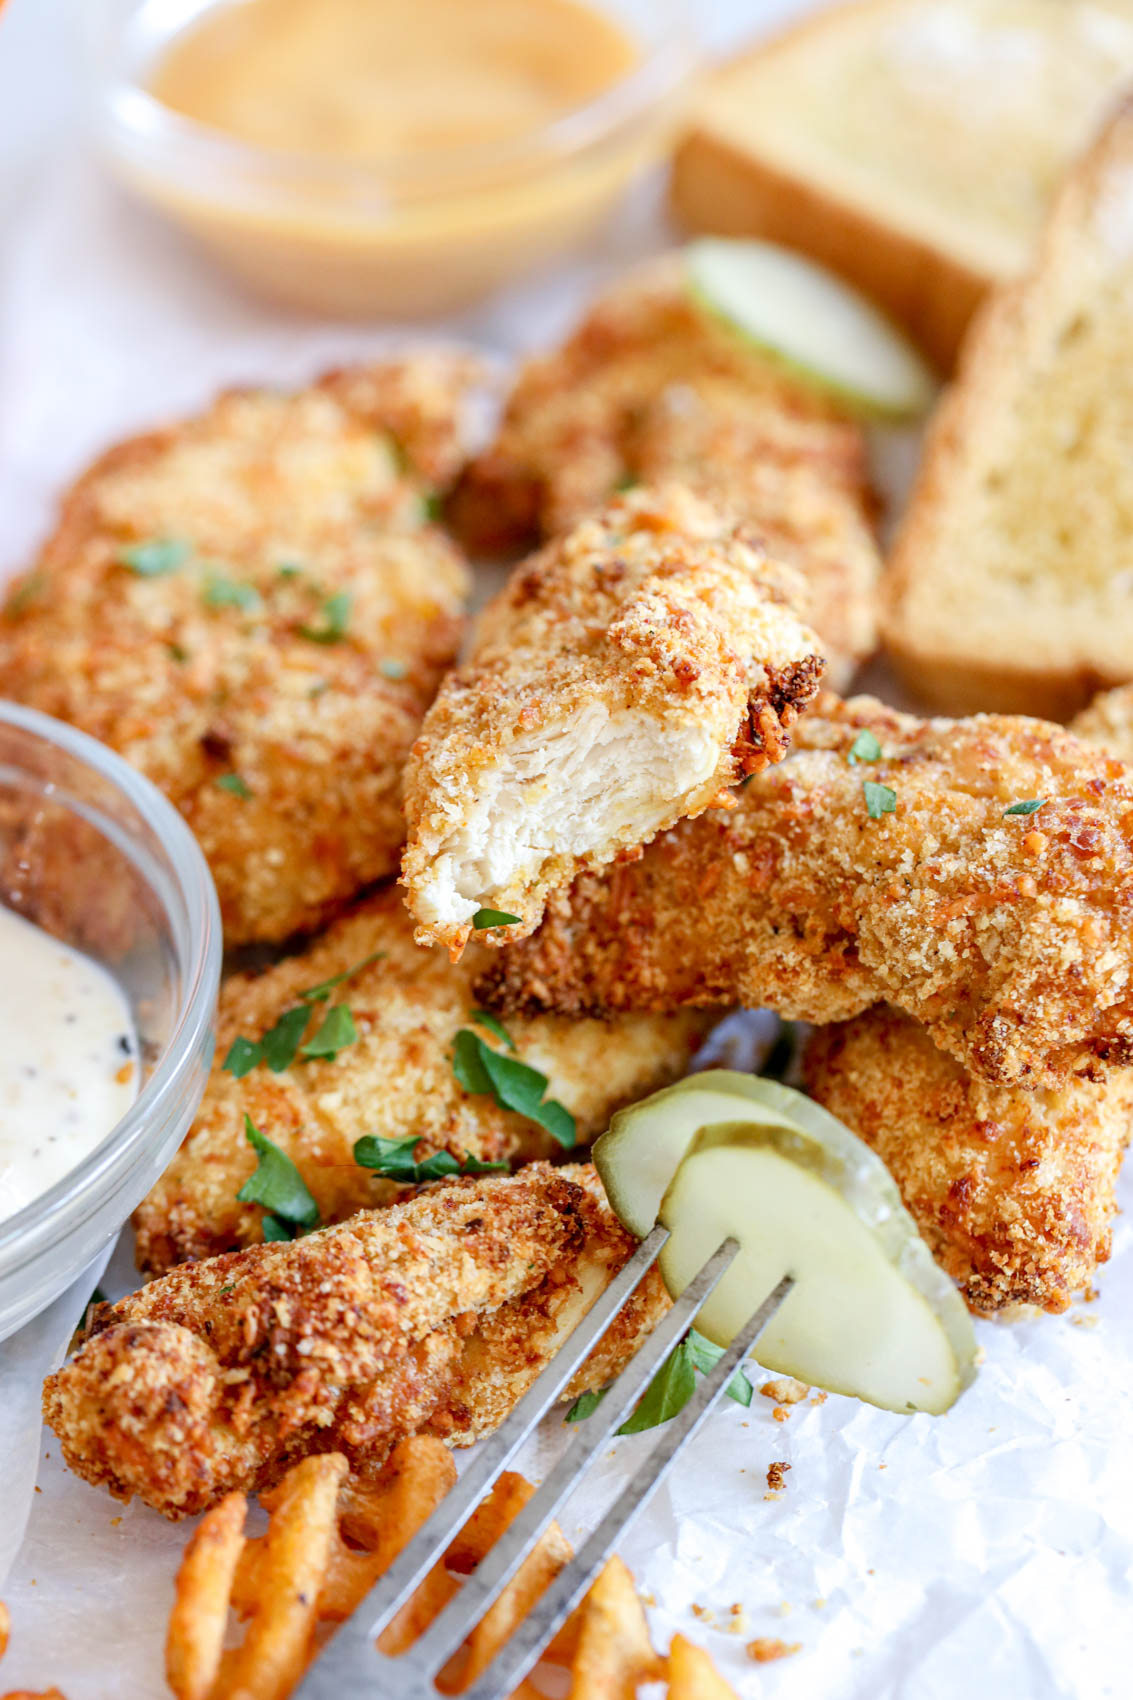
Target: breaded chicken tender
<point>395,1081</point>
<point>624,678</point>
<point>840,883</point>
<point>1108,722</point>
<point>1013,1190</point>
<point>253,608</point>
<point>652,388</point>
<point>435,1315</point>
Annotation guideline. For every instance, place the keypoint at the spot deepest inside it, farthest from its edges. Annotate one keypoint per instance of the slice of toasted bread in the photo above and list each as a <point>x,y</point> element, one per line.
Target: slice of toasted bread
<point>911,145</point>
<point>1010,587</point>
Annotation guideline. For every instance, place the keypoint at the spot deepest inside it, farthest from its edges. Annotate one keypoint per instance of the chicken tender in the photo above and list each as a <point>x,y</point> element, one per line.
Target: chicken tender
<point>838,883</point>
<point>1108,722</point>
<point>396,1080</point>
<point>652,388</point>
<point>623,679</point>
<point>435,1315</point>
<point>254,609</point>
<point>1013,1190</point>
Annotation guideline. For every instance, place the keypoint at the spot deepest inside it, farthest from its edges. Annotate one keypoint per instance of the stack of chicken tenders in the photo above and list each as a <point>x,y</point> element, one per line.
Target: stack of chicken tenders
<point>632,805</point>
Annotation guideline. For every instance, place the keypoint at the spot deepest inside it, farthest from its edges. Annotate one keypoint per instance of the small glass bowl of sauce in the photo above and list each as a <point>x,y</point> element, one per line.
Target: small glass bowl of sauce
<point>110,952</point>
<point>386,157</point>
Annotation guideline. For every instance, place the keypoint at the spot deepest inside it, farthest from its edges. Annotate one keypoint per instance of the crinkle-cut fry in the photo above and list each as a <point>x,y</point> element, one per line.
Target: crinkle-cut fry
<point>693,1676</point>
<point>278,1643</point>
<point>194,1640</point>
<point>510,1494</point>
<point>613,1652</point>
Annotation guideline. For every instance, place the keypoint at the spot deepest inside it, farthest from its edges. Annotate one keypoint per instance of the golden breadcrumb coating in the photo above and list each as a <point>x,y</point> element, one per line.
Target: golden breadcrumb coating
<point>252,607</point>
<point>652,388</point>
<point>624,678</point>
<point>1108,722</point>
<point>1009,937</point>
<point>436,1314</point>
<point>1014,1191</point>
<point>395,1081</point>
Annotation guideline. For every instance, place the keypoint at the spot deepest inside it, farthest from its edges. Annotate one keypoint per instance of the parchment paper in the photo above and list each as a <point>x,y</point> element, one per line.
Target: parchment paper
<point>985,1553</point>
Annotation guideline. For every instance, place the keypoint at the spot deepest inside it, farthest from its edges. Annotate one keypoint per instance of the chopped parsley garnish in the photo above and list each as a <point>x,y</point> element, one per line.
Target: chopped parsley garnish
<point>221,592</point>
<point>584,1406</point>
<point>492,918</point>
<point>1030,806</point>
<point>25,593</point>
<point>235,783</point>
<point>879,799</point>
<point>283,1042</point>
<point>278,1187</point>
<point>671,1388</point>
<point>513,1084</point>
<point>432,506</point>
<point>335,619</point>
<point>156,557</point>
<point>288,569</point>
<point>865,747</point>
<point>627,481</point>
<point>389,668</point>
<point>393,1159</point>
<point>177,652</point>
<point>321,992</point>
<point>494,1025</point>
<point>317,689</point>
<point>335,1034</point>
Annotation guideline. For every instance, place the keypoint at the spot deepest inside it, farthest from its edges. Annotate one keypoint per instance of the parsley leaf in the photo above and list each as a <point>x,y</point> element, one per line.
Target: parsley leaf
<point>513,1084</point>
<point>391,669</point>
<point>235,783</point>
<point>288,569</point>
<point>492,918</point>
<point>281,1041</point>
<point>221,592</point>
<point>336,1032</point>
<point>25,593</point>
<point>669,1392</point>
<point>393,1158</point>
<point>1030,807</point>
<point>243,1055</point>
<point>336,617</point>
<point>865,747</point>
<point>156,557</point>
<point>879,799</point>
<point>321,992</point>
<point>278,1186</point>
<point>432,506</point>
<point>675,1382</point>
<point>494,1025</point>
<point>585,1406</point>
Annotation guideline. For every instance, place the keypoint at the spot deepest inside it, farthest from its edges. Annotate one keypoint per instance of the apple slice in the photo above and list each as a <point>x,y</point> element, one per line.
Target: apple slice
<point>812,322</point>
<point>724,1154</point>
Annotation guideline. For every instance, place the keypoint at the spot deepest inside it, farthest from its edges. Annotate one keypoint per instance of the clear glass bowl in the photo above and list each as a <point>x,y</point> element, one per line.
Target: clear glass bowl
<point>92,852</point>
<point>407,234</point>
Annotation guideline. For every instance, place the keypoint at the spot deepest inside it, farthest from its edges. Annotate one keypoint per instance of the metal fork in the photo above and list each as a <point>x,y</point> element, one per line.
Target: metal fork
<point>351,1659</point>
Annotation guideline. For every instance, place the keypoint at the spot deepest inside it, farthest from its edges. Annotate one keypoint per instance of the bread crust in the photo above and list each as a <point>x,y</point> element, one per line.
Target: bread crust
<point>932,648</point>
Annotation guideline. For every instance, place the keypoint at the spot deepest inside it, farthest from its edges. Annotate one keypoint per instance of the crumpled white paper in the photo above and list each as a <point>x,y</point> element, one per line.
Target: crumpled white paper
<point>986,1552</point>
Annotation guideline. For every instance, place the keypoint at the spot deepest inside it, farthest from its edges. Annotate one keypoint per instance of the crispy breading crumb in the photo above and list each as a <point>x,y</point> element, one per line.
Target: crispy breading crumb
<point>785,1390</point>
<point>765,1649</point>
<point>775,1475</point>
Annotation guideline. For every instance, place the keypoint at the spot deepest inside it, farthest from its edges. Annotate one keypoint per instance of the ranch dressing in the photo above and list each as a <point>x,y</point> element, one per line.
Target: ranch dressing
<point>68,1059</point>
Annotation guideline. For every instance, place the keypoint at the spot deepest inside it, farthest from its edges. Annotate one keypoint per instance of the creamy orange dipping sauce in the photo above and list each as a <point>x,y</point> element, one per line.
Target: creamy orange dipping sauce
<point>356,79</point>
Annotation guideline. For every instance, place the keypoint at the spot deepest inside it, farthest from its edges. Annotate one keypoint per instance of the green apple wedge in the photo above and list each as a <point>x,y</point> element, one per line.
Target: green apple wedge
<point>811,322</point>
<point>724,1154</point>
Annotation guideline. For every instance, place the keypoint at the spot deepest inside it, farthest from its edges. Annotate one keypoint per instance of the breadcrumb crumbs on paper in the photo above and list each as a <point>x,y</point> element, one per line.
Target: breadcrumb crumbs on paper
<point>785,1390</point>
<point>819,1398</point>
<point>781,1413</point>
<point>737,1619</point>
<point>764,1649</point>
<point>703,1613</point>
<point>775,1475</point>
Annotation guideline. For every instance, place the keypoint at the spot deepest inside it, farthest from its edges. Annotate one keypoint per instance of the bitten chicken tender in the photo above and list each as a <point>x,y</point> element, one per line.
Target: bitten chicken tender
<point>1010,937</point>
<point>652,388</point>
<point>435,1315</point>
<point>1013,1190</point>
<point>253,608</point>
<point>624,678</point>
<point>395,1081</point>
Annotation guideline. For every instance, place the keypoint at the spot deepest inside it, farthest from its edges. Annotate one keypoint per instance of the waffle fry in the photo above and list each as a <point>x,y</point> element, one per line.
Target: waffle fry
<point>329,1538</point>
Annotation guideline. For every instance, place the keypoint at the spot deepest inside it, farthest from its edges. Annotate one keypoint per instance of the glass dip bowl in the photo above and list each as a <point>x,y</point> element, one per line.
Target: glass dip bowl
<point>404,233</point>
<point>95,855</point>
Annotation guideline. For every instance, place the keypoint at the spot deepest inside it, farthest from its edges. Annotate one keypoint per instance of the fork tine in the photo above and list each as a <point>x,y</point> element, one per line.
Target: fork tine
<point>496,1570</point>
<point>523,1648</point>
<point>351,1650</point>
